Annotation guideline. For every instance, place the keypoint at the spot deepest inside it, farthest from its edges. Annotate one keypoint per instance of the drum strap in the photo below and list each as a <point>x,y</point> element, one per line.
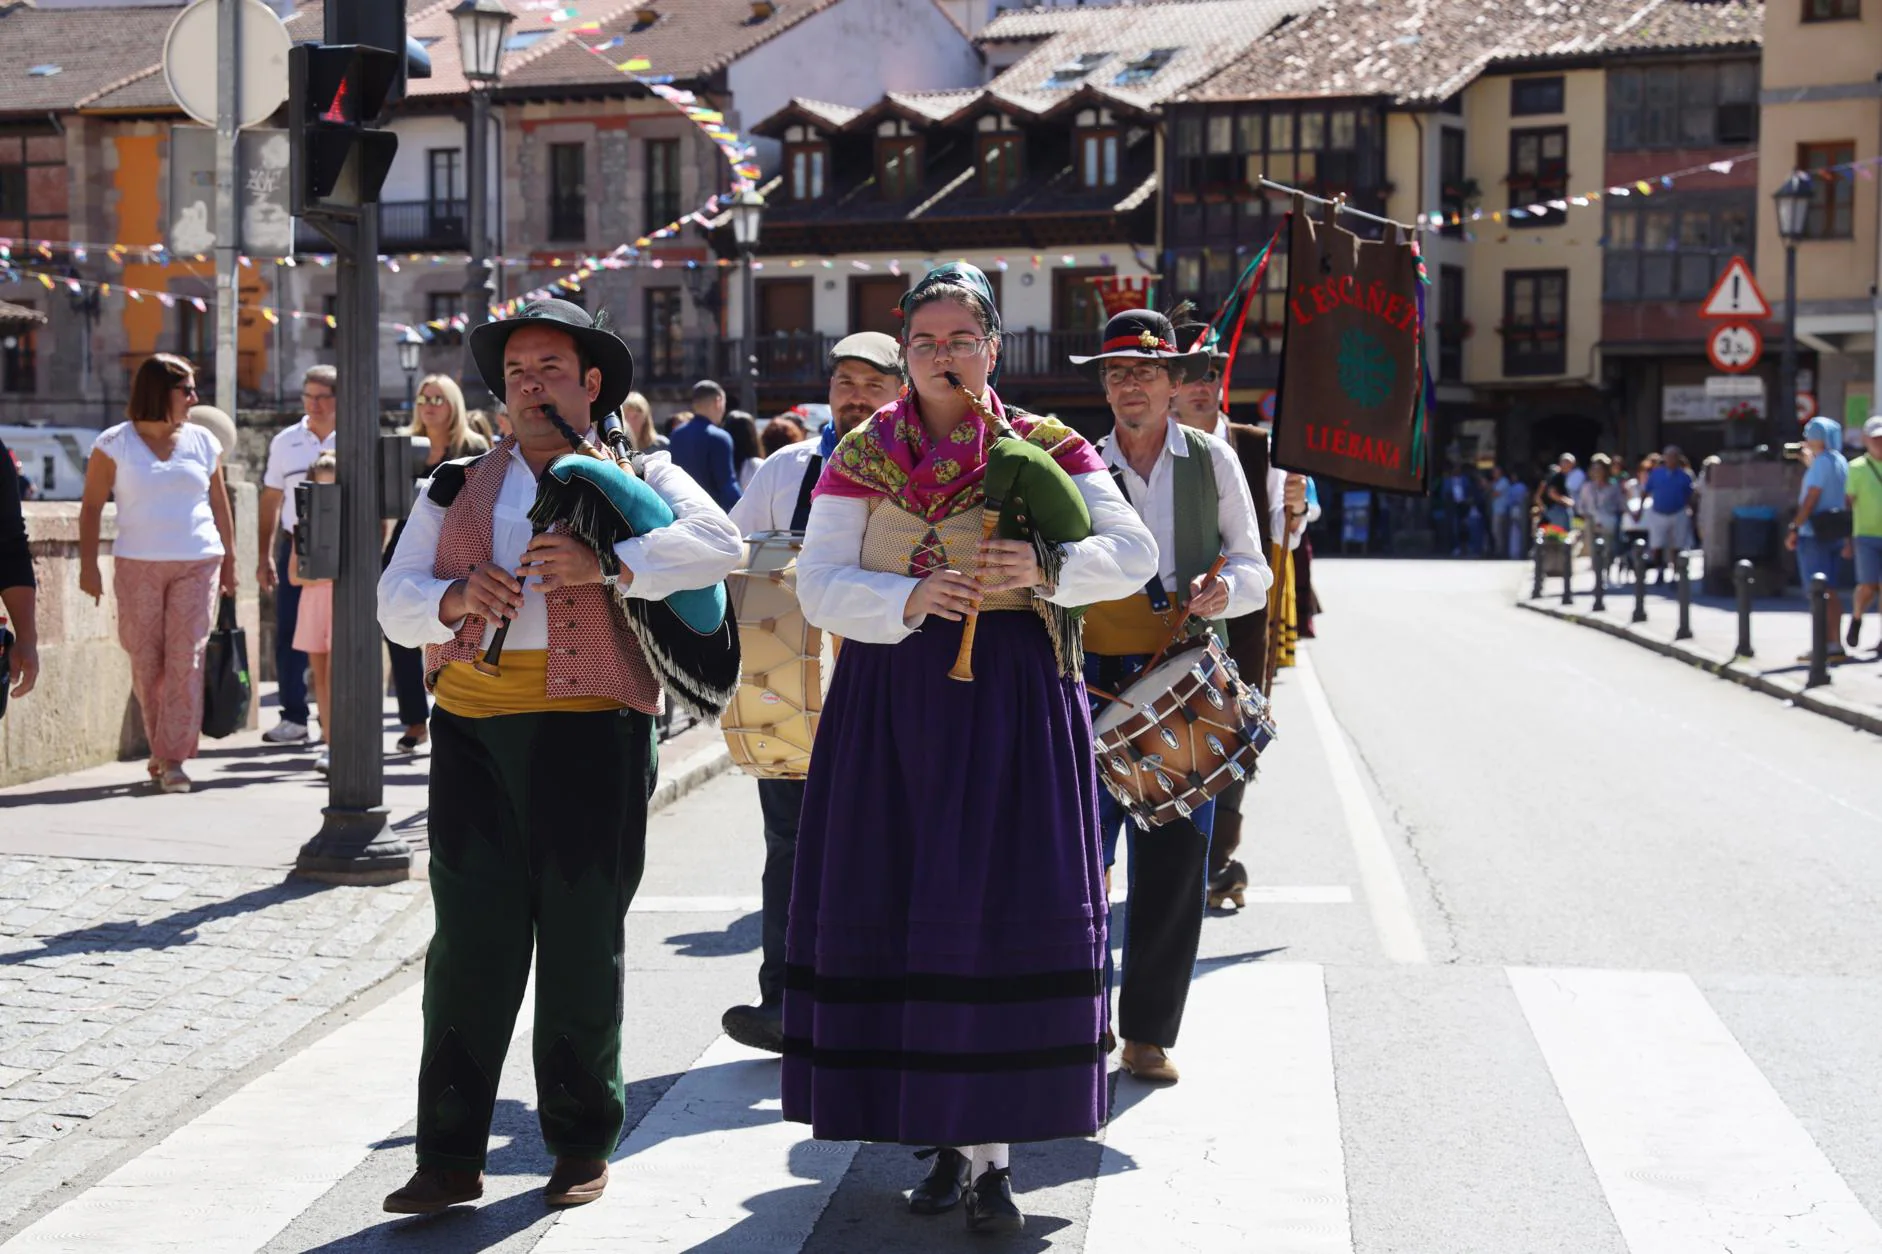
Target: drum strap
<point>813,470</point>
<point>1159,599</point>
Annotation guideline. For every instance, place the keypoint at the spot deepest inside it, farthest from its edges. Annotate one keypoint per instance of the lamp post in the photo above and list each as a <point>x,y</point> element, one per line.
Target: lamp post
<point>409,344</point>
<point>1792,202</point>
<point>88,306</point>
<point>481,27</point>
<point>748,211</point>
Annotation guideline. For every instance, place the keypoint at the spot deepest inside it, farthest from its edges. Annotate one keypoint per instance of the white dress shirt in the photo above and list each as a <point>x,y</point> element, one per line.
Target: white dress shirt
<point>771,497</point>
<point>291,455</point>
<point>1246,571</point>
<point>839,596</point>
<point>698,550</point>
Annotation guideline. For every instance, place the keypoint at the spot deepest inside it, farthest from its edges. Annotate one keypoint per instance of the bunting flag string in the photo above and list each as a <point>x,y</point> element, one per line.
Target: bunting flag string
<point>739,152</point>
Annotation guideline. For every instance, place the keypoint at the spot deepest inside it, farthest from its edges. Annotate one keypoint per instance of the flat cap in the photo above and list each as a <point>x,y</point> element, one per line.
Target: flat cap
<point>872,348</point>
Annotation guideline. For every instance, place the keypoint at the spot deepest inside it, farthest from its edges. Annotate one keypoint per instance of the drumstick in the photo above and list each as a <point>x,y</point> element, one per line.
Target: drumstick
<point>963,669</point>
<point>1182,623</point>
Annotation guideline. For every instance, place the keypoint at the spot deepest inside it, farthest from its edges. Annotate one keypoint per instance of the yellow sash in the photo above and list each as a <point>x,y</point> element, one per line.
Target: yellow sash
<point>1121,628</point>
<point>521,689</point>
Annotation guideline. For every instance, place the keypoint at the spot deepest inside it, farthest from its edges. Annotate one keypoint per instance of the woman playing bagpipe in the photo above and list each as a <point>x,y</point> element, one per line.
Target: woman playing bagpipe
<point>943,967</point>
<point>556,593</point>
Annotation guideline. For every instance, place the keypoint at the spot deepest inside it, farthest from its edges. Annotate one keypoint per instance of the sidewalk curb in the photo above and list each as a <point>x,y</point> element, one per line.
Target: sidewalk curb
<point>691,775</point>
<point>1814,700</point>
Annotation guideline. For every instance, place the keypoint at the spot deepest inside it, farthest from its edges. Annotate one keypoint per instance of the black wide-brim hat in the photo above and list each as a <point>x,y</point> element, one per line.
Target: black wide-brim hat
<point>1142,335</point>
<point>602,347</point>
<point>1196,335</point>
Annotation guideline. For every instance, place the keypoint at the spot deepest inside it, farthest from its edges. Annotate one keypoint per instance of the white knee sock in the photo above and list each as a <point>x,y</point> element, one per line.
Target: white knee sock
<point>982,1158</point>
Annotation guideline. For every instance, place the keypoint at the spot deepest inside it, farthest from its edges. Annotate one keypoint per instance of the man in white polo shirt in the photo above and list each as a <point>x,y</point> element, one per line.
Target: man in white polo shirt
<point>290,456</point>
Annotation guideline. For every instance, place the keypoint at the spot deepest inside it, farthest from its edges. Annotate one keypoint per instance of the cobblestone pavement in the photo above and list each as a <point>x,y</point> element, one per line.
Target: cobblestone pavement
<point>116,977</point>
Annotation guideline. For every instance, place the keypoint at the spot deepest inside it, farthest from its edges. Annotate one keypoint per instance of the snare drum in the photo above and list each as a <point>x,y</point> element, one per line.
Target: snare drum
<point>1180,734</point>
<point>786,663</point>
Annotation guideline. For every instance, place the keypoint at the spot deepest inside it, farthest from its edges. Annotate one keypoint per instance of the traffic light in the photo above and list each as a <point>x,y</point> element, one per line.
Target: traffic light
<point>337,94</point>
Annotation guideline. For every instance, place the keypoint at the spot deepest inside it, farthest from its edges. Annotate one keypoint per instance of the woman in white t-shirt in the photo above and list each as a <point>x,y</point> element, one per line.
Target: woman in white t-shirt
<point>175,546</point>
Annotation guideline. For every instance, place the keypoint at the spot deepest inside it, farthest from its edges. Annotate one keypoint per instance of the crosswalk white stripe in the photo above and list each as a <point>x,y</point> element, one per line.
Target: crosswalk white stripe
<point>713,1156</point>
<point>233,1177</point>
<point>1176,1175</point>
<point>1693,1147</point>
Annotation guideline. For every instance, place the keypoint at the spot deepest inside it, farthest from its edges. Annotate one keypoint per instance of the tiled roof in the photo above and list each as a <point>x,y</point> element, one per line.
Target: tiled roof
<point>689,39</point>
<point>91,49</point>
<point>1428,49</point>
<point>12,315</point>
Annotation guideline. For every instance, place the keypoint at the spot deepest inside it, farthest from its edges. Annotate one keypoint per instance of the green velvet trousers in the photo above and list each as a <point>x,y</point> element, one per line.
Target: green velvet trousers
<point>538,837</point>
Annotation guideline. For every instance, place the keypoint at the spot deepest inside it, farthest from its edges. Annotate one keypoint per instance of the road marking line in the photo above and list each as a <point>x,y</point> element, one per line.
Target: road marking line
<point>1693,1147</point>
<point>1285,895</point>
<point>238,1174</point>
<point>695,905</point>
<point>712,1161</point>
<point>1178,1175</point>
<point>1391,908</point>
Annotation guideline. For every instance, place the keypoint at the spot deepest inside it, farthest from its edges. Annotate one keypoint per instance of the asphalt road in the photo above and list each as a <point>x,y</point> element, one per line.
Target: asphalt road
<point>1562,947</point>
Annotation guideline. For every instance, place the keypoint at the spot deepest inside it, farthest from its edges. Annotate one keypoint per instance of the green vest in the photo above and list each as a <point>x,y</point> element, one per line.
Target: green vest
<point>1197,517</point>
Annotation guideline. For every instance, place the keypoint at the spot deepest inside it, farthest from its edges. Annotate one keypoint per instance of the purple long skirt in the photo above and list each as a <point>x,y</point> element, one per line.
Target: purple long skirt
<point>944,969</point>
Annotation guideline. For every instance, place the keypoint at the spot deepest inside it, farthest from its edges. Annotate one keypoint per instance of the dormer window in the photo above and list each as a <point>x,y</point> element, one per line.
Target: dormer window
<point>1002,163</point>
<point>1073,72</point>
<point>804,165</point>
<point>898,166</point>
<point>1144,68</point>
<point>1097,158</point>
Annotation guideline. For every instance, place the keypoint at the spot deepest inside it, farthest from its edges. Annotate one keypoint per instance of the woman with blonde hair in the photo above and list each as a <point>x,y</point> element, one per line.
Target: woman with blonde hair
<point>438,414</point>
<point>638,415</point>
<point>175,547</point>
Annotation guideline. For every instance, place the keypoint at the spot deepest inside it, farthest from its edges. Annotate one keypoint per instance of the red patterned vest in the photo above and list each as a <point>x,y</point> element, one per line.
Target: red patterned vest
<point>592,651</point>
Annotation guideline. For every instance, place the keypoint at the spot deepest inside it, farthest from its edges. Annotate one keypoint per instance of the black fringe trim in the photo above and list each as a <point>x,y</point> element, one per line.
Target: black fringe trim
<point>1065,625</point>
<point>700,672</point>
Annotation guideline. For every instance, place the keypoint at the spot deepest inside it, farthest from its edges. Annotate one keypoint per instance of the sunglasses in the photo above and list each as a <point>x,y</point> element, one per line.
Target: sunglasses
<point>188,389</point>
<point>434,401</point>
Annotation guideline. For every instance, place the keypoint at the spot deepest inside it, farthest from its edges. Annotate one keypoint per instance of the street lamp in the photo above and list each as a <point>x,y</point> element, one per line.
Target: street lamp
<point>481,28</point>
<point>87,305</point>
<point>1792,202</point>
<point>409,344</point>
<point>748,211</point>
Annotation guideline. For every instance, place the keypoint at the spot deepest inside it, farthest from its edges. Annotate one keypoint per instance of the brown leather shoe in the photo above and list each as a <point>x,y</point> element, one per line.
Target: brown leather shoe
<point>432,1189</point>
<point>1148,1063</point>
<point>576,1181</point>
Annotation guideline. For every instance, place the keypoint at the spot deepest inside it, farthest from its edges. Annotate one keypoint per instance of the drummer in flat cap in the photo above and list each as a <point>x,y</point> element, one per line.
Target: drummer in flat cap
<point>540,774</point>
<point>865,376</point>
<point>1189,490</point>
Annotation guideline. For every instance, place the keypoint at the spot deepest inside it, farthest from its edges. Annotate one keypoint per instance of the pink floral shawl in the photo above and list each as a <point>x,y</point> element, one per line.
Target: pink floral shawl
<point>891,456</point>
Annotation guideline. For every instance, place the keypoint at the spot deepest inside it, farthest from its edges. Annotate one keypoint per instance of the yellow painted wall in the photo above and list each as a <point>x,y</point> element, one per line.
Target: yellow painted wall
<point>1799,54</point>
<point>140,180</point>
<point>1502,246</point>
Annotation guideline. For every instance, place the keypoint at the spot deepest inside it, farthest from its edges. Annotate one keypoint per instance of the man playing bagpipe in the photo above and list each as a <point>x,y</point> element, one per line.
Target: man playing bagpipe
<point>865,375</point>
<point>557,593</point>
<point>1190,492</point>
<point>1280,509</point>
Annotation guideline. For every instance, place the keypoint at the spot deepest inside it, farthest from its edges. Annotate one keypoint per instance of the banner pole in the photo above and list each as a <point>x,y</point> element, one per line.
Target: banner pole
<point>1339,206</point>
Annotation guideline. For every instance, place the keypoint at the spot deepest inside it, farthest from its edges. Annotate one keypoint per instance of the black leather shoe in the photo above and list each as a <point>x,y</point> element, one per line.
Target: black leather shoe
<point>757,1027</point>
<point>990,1205</point>
<point>940,1190</point>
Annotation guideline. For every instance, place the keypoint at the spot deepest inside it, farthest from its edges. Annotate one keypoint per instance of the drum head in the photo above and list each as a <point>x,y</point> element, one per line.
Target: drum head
<point>1146,688</point>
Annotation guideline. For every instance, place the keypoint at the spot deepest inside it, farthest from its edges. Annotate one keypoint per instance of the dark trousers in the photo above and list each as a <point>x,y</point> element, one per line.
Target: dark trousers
<point>782,800</point>
<point>538,837</point>
<point>290,664</point>
<point>408,681</point>
<point>1168,881</point>
<point>1226,836</point>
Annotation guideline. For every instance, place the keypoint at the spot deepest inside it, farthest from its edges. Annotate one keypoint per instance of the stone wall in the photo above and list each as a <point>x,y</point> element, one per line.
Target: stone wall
<point>82,712</point>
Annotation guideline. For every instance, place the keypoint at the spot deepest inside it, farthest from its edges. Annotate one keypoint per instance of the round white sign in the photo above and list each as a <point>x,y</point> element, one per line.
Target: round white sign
<point>1735,347</point>
<point>189,62</point>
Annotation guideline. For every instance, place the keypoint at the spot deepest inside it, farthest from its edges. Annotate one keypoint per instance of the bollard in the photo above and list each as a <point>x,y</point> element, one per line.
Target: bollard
<point>1741,584</point>
<point>1682,571</point>
<point>1600,574</point>
<point>1568,574</point>
<point>1819,628</point>
<point>1535,591</point>
<point>1640,581</point>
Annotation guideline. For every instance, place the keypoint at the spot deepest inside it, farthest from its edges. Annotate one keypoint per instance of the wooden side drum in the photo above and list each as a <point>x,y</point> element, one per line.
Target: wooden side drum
<point>772,721</point>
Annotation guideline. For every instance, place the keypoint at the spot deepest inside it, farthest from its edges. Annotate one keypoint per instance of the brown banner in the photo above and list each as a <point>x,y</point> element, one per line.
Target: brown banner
<point>1350,373</point>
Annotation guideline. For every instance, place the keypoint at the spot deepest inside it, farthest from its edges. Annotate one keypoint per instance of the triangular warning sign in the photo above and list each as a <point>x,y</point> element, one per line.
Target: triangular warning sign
<point>1736,295</point>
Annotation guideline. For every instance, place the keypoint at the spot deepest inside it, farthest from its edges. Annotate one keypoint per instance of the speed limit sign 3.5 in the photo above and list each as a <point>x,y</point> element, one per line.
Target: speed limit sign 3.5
<point>1735,347</point>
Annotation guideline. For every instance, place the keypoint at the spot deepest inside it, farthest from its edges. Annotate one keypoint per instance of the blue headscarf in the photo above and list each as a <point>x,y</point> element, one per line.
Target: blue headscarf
<point>966,276</point>
<point>1829,470</point>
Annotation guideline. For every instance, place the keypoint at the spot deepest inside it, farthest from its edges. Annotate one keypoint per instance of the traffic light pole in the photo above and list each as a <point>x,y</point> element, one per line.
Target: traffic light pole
<point>356,844</point>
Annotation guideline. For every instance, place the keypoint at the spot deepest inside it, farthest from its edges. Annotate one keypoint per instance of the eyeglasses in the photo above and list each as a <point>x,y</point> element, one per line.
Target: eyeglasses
<point>310,397</point>
<point>1211,376</point>
<point>1117,376</point>
<point>958,346</point>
